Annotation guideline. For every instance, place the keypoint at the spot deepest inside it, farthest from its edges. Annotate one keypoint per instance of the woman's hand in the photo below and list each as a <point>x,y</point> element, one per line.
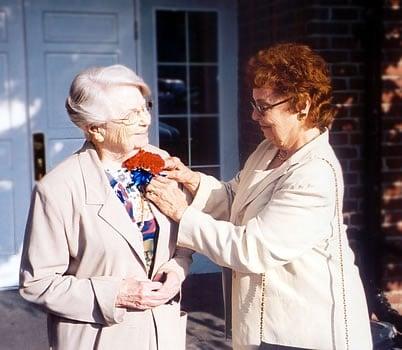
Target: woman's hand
<point>176,170</point>
<point>171,286</point>
<point>147,294</point>
<point>137,294</point>
<point>165,194</point>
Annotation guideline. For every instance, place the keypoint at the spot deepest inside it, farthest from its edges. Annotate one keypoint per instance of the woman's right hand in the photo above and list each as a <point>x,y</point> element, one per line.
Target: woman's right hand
<point>176,170</point>
<point>137,294</point>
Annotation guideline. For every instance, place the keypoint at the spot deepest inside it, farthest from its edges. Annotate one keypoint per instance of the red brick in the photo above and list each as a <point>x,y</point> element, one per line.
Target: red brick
<point>349,205</point>
<point>344,70</point>
<point>339,84</point>
<point>391,150</point>
<point>344,125</point>
<point>392,230</point>
<point>356,219</point>
<point>338,138</point>
<point>345,152</point>
<point>356,138</point>
<point>343,112</point>
<point>394,163</point>
<point>344,14</point>
<point>350,179</point>
<point>357,83</point>
<point>395,297</point>
<point>390,177</point>
<point>344,42</point>
<point>356,165</point>
<point>343,97</point>
<point>335,56</point>
<point>392,204</point>
<point>356,191</point>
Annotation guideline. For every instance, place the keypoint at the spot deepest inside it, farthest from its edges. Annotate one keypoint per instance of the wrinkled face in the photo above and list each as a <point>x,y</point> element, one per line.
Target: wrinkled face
<point>128,130</point>
<point>278,124</point>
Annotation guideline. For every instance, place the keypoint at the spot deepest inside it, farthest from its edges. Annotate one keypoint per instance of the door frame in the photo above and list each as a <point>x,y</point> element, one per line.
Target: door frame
<point>227,63</point>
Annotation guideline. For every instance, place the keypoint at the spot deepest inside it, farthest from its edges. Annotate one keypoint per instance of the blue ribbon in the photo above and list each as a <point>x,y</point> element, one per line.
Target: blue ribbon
<point>140,178</point>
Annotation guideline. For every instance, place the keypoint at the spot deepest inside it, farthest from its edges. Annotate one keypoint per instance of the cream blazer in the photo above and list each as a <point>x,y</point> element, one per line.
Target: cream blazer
<point>282,223</point>
<point>79,245</point>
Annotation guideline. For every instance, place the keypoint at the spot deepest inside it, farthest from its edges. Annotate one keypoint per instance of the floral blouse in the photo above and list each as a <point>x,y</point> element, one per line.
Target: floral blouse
<point>138,209</point>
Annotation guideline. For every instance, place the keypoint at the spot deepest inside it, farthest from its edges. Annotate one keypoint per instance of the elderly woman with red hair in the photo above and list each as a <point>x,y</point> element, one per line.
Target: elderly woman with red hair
<point>278,224</point>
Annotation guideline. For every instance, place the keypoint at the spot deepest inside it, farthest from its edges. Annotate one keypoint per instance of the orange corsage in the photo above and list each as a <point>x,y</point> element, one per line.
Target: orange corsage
<point>148,161</point>
<point>143,167</point>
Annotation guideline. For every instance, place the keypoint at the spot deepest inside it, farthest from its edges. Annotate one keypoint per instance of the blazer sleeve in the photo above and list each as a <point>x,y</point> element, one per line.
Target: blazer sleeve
<point>294,220</point>
<point>215,197</point>
<point>44,278</point>
<point>180,263</point>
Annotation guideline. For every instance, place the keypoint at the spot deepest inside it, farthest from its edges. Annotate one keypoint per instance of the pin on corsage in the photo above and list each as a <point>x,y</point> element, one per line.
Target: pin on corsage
<point>143,167</point>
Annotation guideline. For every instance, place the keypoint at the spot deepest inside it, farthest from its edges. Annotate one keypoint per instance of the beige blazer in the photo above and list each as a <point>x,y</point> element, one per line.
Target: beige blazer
<point>282,223</point>
<point>79,245</point>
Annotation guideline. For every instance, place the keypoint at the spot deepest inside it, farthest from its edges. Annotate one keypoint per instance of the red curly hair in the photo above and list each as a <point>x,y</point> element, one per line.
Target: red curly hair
<point>295,71</point>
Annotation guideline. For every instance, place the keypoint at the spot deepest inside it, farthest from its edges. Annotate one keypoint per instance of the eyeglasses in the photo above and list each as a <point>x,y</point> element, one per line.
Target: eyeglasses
<point>265,107</point>
<point>133,116</point>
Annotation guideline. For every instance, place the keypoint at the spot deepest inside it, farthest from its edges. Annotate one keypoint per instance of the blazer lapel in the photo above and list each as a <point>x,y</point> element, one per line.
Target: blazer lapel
<point>99,192</point>
<point>258,179</point>
<point>255,177</point>
<point>114,213</point>
<point>163,237</point>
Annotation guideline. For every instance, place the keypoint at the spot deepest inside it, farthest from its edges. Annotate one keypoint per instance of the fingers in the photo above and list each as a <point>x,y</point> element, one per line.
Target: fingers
<point>160,184</point>
<point>172,163</point>
<point>136,294</point>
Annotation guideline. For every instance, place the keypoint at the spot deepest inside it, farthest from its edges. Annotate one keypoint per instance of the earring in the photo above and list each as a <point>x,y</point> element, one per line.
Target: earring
<point>99,138</point>
<point>301,116</point>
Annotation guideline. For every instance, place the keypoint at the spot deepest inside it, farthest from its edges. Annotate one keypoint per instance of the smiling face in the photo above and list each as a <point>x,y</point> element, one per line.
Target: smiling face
<point>279,124</point>
<point>127,131</point>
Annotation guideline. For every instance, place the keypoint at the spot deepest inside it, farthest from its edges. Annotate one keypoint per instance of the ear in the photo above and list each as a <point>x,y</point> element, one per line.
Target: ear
<point>307,105</point>
<point>96,133</point>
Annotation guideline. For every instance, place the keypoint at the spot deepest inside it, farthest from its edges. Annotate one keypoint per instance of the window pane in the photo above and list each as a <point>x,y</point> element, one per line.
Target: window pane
<point>204,141</point>
<point>172,89</point>
<point>173,137</point>
<point>203,43</point>
<point>204,89</point>
<point>213,171</point>
<point>171,36</point>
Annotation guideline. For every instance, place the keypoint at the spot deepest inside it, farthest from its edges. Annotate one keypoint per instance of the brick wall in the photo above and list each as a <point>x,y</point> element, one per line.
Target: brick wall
<point>333,30</point>
<point>261,23</point>
<point>391,155</point>
<point>345,32</point>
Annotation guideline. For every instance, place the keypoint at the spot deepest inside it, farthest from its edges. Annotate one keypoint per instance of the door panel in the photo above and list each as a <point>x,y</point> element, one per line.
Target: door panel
<point>15,185</point>
<point>63,38</point>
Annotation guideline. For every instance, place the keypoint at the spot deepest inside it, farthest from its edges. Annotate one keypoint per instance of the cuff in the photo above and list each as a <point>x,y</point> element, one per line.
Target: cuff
<point>106,289</point>
<point>187,225</point>
<point>204,189</point>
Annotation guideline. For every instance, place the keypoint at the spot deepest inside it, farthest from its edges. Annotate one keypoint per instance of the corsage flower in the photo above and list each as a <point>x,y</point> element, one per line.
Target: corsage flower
<point>143,167</point>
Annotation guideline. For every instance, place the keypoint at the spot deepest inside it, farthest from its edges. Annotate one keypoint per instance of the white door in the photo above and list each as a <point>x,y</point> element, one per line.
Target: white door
<point>189,58</point>
<point>15,184</point>
<point>64,37</point>
<point>61,38</point>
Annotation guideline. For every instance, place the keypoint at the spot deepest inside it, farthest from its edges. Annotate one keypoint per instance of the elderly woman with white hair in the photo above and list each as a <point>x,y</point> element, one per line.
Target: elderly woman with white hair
<point>98,257</point>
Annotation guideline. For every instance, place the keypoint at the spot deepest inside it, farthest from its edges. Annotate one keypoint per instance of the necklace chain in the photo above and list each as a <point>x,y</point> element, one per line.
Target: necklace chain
<point>282,155</point>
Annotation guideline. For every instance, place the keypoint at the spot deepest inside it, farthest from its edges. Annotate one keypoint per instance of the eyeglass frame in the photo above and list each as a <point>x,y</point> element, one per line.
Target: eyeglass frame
<point>126,121</point>
<point>267,106</point>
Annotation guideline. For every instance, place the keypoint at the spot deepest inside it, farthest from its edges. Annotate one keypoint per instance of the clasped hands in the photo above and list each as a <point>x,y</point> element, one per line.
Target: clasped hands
<point>164,192</point>
<point>140,294</point>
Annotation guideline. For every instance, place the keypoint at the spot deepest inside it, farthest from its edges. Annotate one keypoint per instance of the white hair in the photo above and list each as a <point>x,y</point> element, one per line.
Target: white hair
<point>88,101</point>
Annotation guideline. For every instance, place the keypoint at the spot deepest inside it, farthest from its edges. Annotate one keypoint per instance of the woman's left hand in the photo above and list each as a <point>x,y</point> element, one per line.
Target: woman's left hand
<point>170,287</point>
<point>165,194</point>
